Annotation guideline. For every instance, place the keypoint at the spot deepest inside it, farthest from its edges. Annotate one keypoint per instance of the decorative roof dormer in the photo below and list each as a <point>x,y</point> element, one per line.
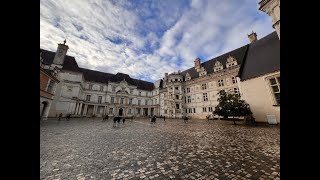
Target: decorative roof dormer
<point>231,61</point>
<point>217,66</point>
<point>188,77</point>
<point>202,72</point>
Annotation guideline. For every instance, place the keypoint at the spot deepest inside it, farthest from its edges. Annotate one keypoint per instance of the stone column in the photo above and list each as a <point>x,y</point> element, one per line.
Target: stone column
<point>149,111</point>
<point>79,112</point>
<point>94,110</point>
<point>104,110</point>
<point>75,108</point>
<point>85,109</point>
<point>46,112</point>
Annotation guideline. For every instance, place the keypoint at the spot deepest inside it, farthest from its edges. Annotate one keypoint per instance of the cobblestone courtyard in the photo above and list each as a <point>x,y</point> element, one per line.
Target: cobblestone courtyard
<point>92,149</point>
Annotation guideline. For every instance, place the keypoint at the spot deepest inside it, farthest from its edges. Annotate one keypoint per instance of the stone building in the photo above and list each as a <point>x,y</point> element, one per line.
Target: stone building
<point>192,92</point>
<point>260,78</point>
<point>84,92</point>
<point>48,83</point>
<point>272,8</point>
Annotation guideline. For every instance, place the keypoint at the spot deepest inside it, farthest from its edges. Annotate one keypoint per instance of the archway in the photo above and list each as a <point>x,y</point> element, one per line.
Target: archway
<point>120,111</point>
<point>43,110</point>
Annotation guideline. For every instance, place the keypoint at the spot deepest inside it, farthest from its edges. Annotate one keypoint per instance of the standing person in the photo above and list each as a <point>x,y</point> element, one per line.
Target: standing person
<point>185,119</point>
<point>123,120</point>
<point>118,118</point>
<point>164,118</point>
<point>60,116</point>
<point>114,121</point>
<point>154,118</point>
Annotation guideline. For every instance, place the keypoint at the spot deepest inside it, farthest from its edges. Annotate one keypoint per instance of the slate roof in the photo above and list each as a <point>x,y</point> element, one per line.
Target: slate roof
<point>95,76</point>
<point>239,54</point>
<point>263,57</point>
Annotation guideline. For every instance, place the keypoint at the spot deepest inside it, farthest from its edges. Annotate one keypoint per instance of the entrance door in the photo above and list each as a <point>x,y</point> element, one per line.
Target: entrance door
<point>120,111</point>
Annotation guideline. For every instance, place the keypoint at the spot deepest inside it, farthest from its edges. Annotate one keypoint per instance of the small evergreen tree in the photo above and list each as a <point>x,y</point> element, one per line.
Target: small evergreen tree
<point>231,105</point>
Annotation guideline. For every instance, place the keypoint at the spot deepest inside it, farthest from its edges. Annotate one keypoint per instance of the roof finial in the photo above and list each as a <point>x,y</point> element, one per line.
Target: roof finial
<point>64,42</point>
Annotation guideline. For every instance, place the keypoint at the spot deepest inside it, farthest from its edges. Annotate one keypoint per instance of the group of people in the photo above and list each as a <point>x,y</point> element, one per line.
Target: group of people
<point>68,116</point>
<point>117,119</point>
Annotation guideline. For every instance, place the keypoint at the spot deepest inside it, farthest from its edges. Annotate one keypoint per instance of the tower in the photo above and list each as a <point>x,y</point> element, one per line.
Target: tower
<point>60,54</point>
<point>272,8</point>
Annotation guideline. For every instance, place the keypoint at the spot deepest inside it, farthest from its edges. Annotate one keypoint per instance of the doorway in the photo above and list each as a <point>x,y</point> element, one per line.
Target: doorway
<point>120,111</point>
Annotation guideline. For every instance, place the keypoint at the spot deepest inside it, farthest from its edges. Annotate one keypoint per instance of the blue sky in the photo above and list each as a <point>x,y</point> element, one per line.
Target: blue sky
<point>147,38</point>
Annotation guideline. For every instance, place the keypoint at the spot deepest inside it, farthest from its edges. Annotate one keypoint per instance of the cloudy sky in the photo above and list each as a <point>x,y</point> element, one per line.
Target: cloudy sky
<point>147,38</point>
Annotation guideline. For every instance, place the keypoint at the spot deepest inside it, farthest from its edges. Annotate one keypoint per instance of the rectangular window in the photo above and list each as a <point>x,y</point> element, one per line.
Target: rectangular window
<point>190,110</point>
<point>90,86</point>
<point>138,111</point>
<point>204,86</point>
<point>194,110</point>
<point>189,99</point>
<point>210,109</point>
<point>112,99</point>
<point>130,101</point>
<point>204,109</point>
<point>139,102</point>
<point>101,88</point>
<point>129,111</point>
<point>176,88</point>
<point>99,99</point>
<point>177,96</point>
<point>186,110</point>
<point>188,90</point>
<point>88,97</point>
<point>177,106</point>
<point>111,111</point>
<point>205,96</point>
<point>275,86</point>
<point>234,80</point>
<point>121,100</point>
<point>50,86</point>
<point>220,83</point>
<point>184,90</point>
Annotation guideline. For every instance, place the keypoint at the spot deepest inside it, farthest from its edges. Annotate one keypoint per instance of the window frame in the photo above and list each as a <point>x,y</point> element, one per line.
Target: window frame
<point>270,86</point>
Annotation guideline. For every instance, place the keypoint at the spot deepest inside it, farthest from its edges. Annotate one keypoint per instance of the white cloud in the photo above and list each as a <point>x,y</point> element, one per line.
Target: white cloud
<point>151,38</point>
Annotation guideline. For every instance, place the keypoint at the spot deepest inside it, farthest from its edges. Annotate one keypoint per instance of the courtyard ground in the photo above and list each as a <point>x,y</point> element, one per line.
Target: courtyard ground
<point>92,149</point>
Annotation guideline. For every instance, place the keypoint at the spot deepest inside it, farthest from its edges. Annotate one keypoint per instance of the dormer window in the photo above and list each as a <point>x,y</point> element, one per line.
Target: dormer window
<point>188,77</point>
<point>217,66</point>
<point>231,61</point>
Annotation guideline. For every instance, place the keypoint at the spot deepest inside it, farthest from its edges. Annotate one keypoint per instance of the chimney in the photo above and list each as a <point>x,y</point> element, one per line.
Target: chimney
<point>60,54</point>
<point>252,37</point>
<point>197,63</point>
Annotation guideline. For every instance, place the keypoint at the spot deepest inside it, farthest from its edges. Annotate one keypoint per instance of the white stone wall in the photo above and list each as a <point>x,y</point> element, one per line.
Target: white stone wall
<point>258,94</point>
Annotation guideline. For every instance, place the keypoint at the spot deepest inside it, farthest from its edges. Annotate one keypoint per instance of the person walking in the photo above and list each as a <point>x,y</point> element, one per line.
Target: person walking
<point>185,119</point>
<point>60,116</point>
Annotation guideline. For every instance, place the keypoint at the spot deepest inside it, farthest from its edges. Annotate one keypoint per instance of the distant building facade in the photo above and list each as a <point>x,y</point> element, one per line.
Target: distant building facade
<point>48,83</point>
<point>84,92</point>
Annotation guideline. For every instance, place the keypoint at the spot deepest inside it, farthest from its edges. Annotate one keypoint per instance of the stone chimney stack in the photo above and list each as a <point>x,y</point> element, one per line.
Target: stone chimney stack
<point>60,54</point>
<point>252,37</point>
<point>197,63</point>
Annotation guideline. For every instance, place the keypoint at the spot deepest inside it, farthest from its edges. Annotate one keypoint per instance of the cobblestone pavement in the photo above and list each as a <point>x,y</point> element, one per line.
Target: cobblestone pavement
<point>91,149</point>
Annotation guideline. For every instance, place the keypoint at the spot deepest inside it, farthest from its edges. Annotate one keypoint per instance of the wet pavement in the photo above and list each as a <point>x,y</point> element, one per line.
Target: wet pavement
<point>93,149</point>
